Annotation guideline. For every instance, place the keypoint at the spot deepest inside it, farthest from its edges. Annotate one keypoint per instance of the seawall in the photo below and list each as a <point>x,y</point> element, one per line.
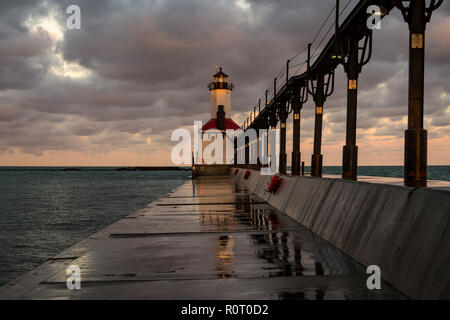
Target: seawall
<point>405,231</point>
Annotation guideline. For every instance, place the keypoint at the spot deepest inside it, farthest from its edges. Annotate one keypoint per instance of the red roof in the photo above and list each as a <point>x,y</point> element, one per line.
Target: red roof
<point>229,124</point>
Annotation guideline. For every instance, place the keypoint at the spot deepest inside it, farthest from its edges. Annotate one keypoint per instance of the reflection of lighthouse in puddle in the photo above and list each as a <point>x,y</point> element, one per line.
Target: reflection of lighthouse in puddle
<point>225,256</point>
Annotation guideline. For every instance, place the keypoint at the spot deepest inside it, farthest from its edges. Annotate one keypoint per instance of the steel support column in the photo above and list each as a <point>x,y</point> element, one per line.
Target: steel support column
<point>416,136</point>
<point>350,150</point>
<point>416,15</point>
<point>267,126</point>
<point>258,137</point>
<point>317,157</point>
<point>247,154</point>
<point>353,57</point>
<point>283,155</point>
<point>273,126</point>
<point>258,151</point>
<point>235,151</point>
<point>320,92</point>
<point>296,155</point>
<point>299,97</point>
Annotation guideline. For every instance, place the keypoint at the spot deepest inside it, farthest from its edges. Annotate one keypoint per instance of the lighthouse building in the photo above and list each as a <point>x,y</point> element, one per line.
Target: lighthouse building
<point>220,90</point>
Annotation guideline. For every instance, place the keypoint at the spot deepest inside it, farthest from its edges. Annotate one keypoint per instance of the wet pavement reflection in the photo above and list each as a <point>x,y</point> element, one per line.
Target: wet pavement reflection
<point>211,239</point>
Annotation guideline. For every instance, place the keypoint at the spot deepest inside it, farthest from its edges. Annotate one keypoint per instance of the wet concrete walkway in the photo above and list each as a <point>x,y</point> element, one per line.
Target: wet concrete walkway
<point>209,239</point>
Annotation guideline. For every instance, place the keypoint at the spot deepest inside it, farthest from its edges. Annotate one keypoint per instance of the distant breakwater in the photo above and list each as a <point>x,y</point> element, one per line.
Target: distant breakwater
<point>152,168</point>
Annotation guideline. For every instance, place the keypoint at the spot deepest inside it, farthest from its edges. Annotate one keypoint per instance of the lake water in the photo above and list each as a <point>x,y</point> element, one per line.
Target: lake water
<point>44,210</point>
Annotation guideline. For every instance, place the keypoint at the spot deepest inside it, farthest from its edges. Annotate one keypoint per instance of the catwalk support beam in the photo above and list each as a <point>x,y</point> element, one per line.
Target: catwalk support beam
<point>317,157</point>
<point>283,156</point>
<point>416,15</point>
<point>300,96</point>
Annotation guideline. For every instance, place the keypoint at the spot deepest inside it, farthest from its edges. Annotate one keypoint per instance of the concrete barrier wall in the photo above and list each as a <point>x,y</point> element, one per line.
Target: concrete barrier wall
<point>404,231</point>
<point>280,198</point>
<point>262,187</point>
<point>252,180</point>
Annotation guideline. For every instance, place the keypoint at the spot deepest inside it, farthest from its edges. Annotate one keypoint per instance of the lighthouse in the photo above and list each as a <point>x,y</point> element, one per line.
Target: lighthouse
<point>220,89</point>
<point>218,127</point>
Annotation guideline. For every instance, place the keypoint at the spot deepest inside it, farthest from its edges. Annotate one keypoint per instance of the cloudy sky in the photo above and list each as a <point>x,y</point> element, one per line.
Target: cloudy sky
<point>112,92</point>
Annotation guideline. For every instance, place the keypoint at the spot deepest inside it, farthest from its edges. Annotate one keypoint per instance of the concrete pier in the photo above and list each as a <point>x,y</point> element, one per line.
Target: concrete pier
<point>403,230</point>
<point>211,238</point>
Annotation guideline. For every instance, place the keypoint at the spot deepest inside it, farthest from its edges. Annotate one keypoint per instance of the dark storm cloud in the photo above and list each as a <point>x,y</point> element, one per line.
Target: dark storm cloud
<point>150,61</point>
<point>177,43</point>
<point>22,51</point>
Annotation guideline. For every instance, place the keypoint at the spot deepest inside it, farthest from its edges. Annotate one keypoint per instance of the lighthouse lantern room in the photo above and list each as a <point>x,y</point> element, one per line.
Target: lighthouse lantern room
<point>220,90</point>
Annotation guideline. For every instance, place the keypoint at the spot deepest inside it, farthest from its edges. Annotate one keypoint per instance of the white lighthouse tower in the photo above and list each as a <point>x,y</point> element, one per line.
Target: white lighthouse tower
<point>220,90</point>
<point>217,128</point>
